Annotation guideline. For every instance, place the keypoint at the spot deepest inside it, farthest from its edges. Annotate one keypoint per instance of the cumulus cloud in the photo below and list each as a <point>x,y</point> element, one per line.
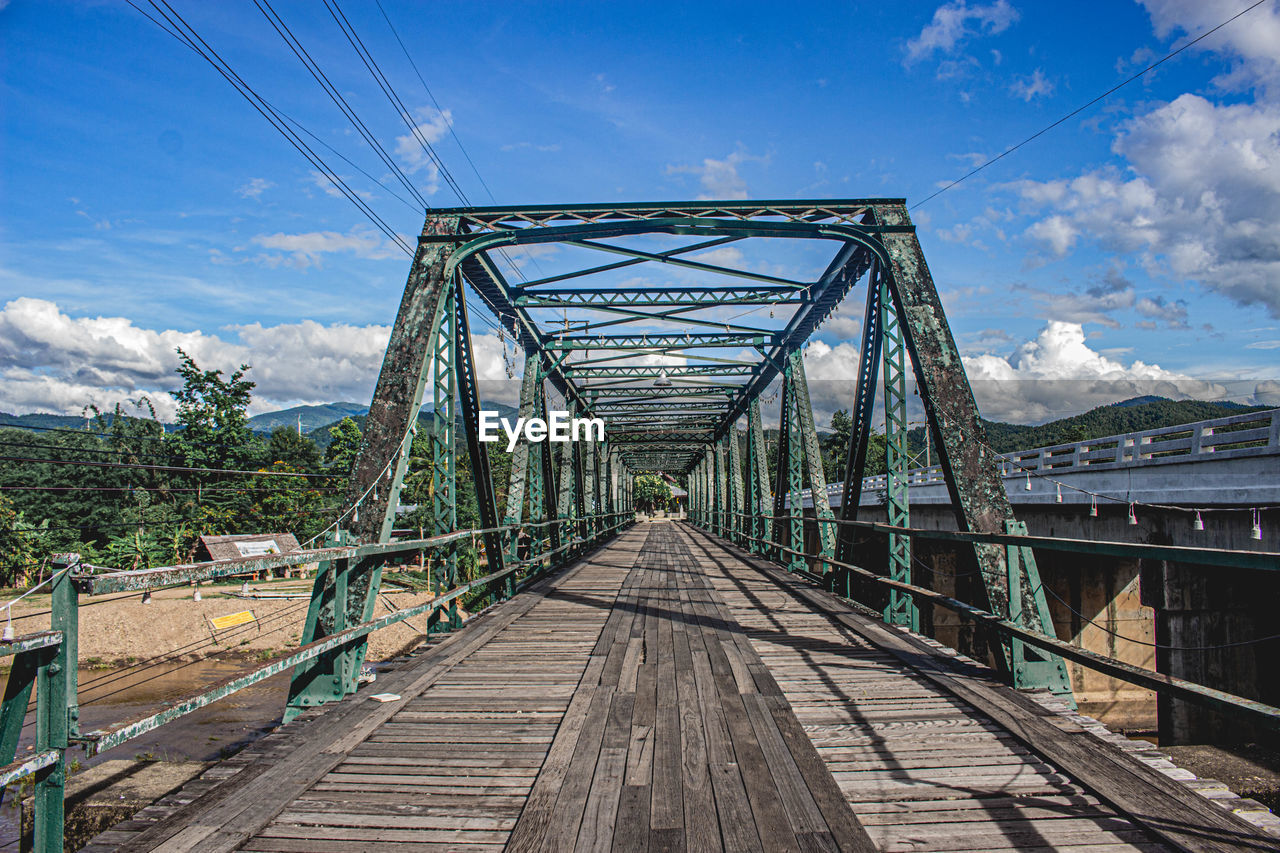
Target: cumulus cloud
<point>1204,203</point>
<point>1057,374</point>
<point>50,361</point>
<point>1252,42</point>
<point>955,22</point>
<point>1198,197</point>
<point>431,126</point>
<point>1052,375</point>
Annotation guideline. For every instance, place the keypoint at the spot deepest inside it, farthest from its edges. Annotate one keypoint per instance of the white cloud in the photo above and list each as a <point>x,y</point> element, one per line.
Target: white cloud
<point>1251,41</point>
<point>1174,312</point>
<point>957,21</point>
<point>1056,233</point>
<point>307,249</point>
<point>254,188</point>
<point>323,182</point>
<point>843,328</point>
<point>719,178</point>
<point>1198,197</point>
<point>50,361</point>
<point>1267,393</point>
<point>431,126</point>
<point>1035,86</point>
<point>1057,374</point>
<point>1204,203</point>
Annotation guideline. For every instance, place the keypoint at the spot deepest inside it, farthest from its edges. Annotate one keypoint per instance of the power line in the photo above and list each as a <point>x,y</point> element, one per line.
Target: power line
<point>434,102</point>
<point>295,45</point>
<point>94,464</point>
<point>1084,107</point>
<point>189,37</point>
<point>384,84</point>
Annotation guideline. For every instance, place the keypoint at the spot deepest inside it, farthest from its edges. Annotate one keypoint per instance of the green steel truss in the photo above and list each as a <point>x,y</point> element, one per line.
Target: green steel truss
<point>633,317</point>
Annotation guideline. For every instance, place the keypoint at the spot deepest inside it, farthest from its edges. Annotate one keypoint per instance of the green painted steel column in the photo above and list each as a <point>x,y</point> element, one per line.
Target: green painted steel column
<point>901,609</point>
<point>969,466</point>
<point>718,472</point>
<point>808,434</point>
<point>795,473</point>
<point>1032,667</point>
<point>758,473</point>
<point>444,504</point>
<point>64,602</point>
<point>736,521</point>
<point>521,460</point>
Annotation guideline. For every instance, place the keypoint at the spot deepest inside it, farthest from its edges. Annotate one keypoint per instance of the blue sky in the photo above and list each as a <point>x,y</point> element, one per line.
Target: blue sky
<point>147,206</point>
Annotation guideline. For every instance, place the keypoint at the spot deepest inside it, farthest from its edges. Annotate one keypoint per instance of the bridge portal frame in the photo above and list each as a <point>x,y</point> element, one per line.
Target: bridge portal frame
<point>594,370</point>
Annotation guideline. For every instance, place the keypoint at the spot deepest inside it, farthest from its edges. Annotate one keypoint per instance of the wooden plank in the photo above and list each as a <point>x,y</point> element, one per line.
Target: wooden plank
<point>1146,797</point>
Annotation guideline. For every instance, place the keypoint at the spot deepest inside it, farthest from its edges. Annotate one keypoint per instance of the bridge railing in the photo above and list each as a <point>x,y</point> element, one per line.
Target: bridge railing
<point>834,576</point>
<point>1252,434</point>
<point>47,660</point>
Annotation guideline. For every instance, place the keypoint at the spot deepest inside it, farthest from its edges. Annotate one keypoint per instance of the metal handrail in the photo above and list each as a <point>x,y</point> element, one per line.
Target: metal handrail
<point>1264,560</point>
<point>1191,691</point>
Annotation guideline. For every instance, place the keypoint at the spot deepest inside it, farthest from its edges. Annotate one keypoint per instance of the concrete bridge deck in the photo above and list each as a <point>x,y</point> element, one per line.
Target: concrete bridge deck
<point>668,692</point>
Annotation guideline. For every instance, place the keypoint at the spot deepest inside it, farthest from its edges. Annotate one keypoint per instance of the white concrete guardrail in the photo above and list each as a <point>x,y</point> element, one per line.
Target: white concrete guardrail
<point>1169,465</point>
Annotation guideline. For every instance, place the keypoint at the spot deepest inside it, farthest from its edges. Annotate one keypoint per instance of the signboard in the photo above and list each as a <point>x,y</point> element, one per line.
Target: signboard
<point>257,548</point>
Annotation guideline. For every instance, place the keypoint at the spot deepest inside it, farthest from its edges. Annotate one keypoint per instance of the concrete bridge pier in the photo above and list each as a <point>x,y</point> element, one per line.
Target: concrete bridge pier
<point>1207,618</point>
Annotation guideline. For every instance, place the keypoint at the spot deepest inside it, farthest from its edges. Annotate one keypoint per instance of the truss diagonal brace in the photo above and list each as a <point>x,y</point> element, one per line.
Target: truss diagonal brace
<point>973,479</point>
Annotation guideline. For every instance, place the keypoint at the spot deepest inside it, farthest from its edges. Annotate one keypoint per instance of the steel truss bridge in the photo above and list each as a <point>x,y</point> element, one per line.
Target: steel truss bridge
<point>711,685</point>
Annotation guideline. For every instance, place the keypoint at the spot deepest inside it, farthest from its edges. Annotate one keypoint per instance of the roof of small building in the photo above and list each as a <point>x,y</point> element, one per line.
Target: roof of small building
<point>237,545</point>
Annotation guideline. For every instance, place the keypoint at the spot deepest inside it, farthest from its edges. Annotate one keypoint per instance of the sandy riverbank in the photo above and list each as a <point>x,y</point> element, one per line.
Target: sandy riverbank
<point>120,629</point>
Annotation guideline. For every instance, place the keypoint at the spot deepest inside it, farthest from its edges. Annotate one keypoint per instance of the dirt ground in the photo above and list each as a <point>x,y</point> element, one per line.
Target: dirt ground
<point>120,629</point>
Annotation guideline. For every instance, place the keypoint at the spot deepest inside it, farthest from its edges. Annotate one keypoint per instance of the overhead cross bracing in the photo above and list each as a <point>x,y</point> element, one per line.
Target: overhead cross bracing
<point>655,329</point>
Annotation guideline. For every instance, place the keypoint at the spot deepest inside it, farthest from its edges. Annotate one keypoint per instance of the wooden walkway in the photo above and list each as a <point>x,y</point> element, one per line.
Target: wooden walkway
<point>670,693</point>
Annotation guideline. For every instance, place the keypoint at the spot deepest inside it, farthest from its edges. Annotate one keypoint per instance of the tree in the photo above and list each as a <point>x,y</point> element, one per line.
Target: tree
<point>213,416</point>
<point>295,452</point>
<point>650,492</point>
<point>20,546</point>
<point>835,449</point>
<point>341,453</point>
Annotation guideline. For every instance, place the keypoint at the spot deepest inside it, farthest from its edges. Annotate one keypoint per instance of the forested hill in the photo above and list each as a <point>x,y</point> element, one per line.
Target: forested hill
<point>1127,416</point>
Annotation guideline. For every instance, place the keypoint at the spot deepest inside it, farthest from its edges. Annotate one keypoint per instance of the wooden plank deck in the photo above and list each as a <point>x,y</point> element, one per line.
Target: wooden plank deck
<point>666,694</point>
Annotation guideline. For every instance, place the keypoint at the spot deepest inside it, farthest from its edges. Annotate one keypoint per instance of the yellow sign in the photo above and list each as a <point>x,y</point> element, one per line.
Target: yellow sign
<point>244,617</point>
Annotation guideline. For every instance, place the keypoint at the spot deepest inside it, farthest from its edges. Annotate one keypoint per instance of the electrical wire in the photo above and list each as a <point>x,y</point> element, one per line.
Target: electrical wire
<point>1086,106</point>
<point>313,67</point>
<point>190,37</point>
<point>1161,646</point>
<point>177,468</point>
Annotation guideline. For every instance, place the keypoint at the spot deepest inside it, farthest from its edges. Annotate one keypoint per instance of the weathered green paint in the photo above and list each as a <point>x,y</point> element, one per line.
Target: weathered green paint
<point>807,432</point>
<point>901,609</point>
<point>758,492</point>
<point>863,408</point>
<point>523,460</point>
<point>1031,667</point>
